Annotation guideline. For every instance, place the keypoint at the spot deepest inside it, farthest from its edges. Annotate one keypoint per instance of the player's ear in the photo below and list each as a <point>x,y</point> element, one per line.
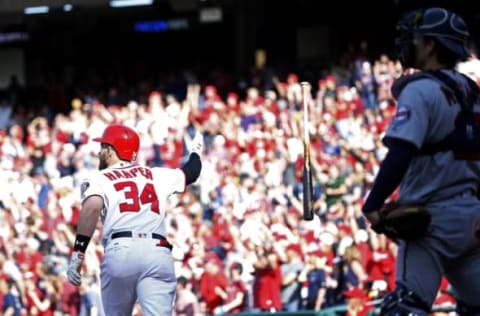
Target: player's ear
<point>112,152</point>
<point>430,45</point>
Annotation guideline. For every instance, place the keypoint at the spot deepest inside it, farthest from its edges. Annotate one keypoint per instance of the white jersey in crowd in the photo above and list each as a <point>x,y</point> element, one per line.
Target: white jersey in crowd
<point>424,115</point>
<point>134,196</point>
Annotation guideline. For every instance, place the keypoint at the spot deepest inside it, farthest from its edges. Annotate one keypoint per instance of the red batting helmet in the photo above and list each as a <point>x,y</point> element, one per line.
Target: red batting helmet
<point>123,139</point>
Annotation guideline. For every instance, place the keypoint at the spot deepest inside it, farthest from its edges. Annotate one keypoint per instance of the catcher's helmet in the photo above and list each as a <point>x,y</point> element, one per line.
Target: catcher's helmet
<point>447,27</point>
<point>123,139</point>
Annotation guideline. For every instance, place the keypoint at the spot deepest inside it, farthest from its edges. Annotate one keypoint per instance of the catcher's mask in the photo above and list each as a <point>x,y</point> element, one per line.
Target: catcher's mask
<point>447,27</point>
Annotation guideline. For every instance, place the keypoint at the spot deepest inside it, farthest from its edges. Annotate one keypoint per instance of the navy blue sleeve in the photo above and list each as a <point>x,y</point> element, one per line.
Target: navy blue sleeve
<point>392,170</point>
<point>192,168</point>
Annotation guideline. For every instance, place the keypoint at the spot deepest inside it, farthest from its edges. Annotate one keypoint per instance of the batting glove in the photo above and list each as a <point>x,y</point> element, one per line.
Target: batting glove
<point>74,267</point>
<point>196,146</point>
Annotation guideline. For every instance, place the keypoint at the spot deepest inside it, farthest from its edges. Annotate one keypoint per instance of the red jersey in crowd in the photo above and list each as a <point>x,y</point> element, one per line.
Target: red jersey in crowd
<point>34,310</point>
<point>172,153</point>
<point>267,288</point>
<point>208,283</point>
<point>233,289</point>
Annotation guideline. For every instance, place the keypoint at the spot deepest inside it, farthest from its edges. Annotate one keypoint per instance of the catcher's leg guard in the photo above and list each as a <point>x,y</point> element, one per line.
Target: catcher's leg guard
<point>403,302</point>
<point>467,310</point>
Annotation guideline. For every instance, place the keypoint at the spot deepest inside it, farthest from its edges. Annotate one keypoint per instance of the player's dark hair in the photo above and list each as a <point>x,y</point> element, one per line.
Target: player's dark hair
<point>110,147</point>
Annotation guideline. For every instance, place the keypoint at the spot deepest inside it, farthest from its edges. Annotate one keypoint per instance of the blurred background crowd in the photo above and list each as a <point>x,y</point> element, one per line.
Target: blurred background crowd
<point>231,70</point>
<point>240,243</point>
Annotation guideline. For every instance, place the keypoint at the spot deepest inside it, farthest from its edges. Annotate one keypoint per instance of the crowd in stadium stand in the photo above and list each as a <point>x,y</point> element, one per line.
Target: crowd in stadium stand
<point>240,243</point>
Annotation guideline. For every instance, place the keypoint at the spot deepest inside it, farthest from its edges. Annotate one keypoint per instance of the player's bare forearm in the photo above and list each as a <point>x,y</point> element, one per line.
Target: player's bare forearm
<point>89,215</point>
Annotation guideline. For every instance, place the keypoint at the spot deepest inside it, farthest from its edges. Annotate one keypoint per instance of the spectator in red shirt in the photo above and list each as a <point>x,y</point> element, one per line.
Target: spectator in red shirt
<point>233,103</point>
<point>40,303</point>
<point>221,232</point>
<point>361,241</point>
<point>236,300</point>
<point>356,302</point>
<point>382,264</point>
<point>29,256</point>
<point>213,283</point>
<point>70,297</point>
<point>171,151</point>
<point>267,281</point>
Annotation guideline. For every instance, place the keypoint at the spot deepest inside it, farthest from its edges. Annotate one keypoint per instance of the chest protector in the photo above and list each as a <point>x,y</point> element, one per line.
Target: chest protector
<point>464,140</point>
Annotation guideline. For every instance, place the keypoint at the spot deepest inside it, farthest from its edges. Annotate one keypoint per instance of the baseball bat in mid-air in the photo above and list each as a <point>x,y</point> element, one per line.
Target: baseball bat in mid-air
<point>307,172</point>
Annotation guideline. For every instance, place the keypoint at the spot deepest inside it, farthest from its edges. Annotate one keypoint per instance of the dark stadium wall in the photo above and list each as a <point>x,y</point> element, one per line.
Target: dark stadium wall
<point>294,35</point>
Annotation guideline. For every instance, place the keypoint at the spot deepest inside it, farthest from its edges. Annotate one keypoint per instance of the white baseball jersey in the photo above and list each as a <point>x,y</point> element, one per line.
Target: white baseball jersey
<point>134,196</point>
<point>135,266</point>
<point>424,115</point>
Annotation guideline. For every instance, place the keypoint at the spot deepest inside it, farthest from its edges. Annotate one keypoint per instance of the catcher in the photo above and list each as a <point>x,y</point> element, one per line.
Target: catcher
<point>432,157</point>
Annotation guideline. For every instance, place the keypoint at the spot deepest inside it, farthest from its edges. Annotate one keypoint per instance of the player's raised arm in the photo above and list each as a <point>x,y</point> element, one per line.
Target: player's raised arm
<point>193,166</point>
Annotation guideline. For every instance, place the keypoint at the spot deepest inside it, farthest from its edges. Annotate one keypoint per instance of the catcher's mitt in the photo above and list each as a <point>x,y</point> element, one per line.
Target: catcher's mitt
<point>398,221</point>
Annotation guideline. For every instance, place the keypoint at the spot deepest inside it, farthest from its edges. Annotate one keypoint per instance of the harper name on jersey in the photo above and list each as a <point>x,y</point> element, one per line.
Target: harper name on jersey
<point>128,173</point>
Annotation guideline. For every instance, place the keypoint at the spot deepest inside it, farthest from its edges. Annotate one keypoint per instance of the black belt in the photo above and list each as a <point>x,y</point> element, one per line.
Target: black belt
<point>163,242</point>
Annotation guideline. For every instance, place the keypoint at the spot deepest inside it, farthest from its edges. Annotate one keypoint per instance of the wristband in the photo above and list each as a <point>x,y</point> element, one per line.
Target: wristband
<point>81,243</point>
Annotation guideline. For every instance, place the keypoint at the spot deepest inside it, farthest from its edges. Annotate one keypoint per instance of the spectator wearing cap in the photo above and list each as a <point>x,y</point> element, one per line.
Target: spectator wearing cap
<point>357,302</point>
<point>186,302</point>
<point>213,283</point>
<point>291,286</point>
<point>236,300</point>
<point>267,281</point>
<point>315,275</point>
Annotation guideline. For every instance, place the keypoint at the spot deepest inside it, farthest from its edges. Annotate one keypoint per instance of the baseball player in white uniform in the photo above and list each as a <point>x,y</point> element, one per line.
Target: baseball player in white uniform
<point>445,180</point>
<point>130,200</point>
